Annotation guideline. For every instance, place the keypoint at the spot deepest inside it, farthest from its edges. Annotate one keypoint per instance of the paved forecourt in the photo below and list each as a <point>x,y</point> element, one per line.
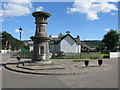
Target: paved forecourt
<point>58,67</point>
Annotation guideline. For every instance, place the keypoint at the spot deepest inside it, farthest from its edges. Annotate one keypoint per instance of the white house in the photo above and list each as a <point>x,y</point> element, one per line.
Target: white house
<point>64,43</point>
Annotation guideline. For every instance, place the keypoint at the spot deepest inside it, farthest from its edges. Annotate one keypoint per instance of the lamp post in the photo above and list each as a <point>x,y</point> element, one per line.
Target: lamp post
<point>20,30</point>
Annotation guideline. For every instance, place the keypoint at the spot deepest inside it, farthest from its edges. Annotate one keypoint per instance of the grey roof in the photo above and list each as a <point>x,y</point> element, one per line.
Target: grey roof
<point>58,39</point>
<point>77,40</point>
<point>61,37</point>
<point>85,45</point>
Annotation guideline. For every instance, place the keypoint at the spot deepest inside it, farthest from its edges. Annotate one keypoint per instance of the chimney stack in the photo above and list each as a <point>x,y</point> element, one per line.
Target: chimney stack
<point>78,36</point>
<point>67,32</point>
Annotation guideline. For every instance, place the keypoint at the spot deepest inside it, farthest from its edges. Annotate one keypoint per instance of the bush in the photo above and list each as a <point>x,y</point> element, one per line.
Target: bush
<point>106,56</point>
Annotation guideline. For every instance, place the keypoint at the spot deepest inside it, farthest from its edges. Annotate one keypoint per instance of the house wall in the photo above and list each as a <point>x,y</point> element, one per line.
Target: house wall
<point>31,47</point>
<point>5,51</point>
<point>68,45</point>
<point>54,48</point>
<point>78,48</point>
<point>30,43</point>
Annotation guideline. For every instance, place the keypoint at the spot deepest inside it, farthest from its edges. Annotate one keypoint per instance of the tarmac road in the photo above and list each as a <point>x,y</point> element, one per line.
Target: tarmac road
<point>12,79</point>
<point>107,79</point>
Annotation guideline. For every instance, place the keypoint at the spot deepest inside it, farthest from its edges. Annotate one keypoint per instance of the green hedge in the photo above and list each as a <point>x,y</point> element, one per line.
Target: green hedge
<point>105,55</point>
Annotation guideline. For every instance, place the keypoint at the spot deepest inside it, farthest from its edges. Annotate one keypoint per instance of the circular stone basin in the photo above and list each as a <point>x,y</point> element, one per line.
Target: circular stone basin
<point>41,38</point>
<point>41,13</point>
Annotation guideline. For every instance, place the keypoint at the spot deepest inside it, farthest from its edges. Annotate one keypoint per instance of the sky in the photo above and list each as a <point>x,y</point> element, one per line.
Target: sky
<point>90,19</point>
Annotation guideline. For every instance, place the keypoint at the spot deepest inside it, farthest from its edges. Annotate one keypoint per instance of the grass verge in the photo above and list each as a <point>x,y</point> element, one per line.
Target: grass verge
<point>78,60</point>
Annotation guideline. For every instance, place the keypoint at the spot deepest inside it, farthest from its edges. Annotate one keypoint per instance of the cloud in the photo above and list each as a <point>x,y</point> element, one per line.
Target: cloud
<point>1,20</point>
<point>55,36</point>
<point>21,1</point>
<point>39,8</point>
<point>92,7</point>
<point>113,13</point>
<point>16,8</point>
<point>32,31</point>
<point>107,29</point>
<point>17,31</point>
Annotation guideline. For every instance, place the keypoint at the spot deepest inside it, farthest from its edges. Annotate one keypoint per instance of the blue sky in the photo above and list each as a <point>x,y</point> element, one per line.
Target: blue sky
<point>89,22</point>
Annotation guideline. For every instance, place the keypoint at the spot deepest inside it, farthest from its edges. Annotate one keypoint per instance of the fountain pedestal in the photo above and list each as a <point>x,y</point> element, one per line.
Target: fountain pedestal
<point>41,40</point>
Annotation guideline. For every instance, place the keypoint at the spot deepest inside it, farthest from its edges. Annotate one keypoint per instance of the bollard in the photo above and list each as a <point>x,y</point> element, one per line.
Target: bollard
<point>23,64</point>
<point>18,58</point>
<point>86,63</point>
<point>100,62</point>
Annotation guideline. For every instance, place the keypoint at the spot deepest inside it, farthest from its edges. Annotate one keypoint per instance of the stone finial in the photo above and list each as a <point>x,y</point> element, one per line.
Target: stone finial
<point>67,32</point>
<point>41,17</point>
<point>60,35</point>
<point>78,36</point>
<point>50,37</point>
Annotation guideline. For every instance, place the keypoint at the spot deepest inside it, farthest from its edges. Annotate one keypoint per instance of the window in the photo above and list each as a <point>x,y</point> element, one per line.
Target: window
<point>42,50</point>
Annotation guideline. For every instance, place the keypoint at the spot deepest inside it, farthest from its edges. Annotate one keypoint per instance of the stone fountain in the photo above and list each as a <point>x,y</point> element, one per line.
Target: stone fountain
<point>41,40</point>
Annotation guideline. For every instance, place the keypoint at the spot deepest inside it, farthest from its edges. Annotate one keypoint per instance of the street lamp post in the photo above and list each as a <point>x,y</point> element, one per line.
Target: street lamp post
<point>20,30</point>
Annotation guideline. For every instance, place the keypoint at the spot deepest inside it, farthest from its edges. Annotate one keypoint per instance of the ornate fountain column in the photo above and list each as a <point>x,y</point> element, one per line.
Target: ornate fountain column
<point>41,40</point>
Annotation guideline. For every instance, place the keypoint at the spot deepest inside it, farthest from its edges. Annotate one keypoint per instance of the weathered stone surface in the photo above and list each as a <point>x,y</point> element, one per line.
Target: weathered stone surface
<point>41,40</point>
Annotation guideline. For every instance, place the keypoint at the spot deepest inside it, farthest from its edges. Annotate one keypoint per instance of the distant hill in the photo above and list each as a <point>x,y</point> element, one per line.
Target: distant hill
<point>92,43</point>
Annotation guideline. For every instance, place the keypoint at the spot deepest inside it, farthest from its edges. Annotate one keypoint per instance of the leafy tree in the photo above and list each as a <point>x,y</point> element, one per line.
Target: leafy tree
<point>110,40</point>
<point>100,47</point>
<point>9,42</point>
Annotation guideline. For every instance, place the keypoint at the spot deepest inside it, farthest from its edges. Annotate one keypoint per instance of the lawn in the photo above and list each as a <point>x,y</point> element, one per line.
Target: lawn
<point>87,55</point>
<point>78,60</point>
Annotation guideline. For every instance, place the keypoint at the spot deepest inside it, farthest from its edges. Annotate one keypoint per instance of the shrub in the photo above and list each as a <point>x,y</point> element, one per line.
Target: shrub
<point>106,56</point>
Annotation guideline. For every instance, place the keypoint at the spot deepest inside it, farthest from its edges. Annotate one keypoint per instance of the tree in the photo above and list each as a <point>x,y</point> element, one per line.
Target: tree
<point>110,40</point>
<point>9,42</point>
<point>100,47</point>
